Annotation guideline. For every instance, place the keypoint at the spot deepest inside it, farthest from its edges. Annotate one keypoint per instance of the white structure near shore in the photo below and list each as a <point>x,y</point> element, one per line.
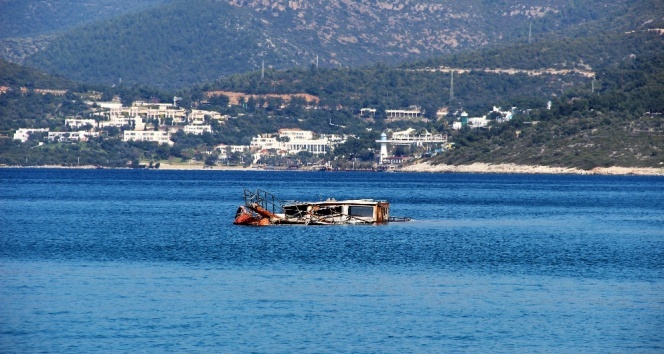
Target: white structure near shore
<point>292,141</point>
<point>159,136</point>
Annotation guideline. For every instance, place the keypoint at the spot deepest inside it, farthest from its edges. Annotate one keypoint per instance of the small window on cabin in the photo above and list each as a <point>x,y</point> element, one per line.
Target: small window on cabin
<point>295,210</point>
<point>324,211</point>
<point>361,211</point>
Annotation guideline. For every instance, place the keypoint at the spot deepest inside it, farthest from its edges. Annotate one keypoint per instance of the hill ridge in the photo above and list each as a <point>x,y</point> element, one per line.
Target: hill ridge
<point>208,39</point>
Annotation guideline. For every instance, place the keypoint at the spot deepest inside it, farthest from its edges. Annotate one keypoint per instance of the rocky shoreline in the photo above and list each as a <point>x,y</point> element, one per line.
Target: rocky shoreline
<point>530,169</point>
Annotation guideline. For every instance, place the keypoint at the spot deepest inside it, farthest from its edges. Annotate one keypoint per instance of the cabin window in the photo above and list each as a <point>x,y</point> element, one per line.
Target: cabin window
<point>324,210</point>
<point>361,211</point>
<point>295,210</point>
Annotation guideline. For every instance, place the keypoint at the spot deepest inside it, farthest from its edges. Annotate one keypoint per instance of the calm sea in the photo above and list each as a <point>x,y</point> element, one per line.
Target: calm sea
<point>149,261</point>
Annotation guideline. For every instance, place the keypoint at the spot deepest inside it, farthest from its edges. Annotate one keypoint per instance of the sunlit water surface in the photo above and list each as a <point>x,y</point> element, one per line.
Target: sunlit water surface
<point>125,260</point>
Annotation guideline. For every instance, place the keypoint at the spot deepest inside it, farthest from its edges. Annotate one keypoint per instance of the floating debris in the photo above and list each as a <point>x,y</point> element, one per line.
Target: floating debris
<point>263,208</point>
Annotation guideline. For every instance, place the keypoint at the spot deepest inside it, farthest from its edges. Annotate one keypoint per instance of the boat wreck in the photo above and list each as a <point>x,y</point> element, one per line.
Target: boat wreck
<point>263,208</point>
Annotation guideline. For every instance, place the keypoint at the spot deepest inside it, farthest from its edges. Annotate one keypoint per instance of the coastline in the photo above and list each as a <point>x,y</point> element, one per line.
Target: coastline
<point>510,168</point>
<point>420,167</point>
<point>163,166</point>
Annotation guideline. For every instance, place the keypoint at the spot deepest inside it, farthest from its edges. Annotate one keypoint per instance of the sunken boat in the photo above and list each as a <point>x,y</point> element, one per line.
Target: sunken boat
<point>263,208</point>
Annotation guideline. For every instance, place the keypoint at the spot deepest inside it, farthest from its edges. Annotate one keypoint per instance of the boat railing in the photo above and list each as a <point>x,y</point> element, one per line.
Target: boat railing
<point>264,199</point>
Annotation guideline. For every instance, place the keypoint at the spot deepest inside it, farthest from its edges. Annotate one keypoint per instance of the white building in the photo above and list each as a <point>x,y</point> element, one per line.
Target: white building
<point>23,134</point>
<point>197,129</point>
<point>334,139</point>
<point>153,104</point>
<point>64,137</point>
<point>265,142</point>
<point>298,140</point>
<point>303,140</point>
<point>368,112</point>
<point>121,121</point>
<point>478,122</point>
<point>314,146</point>
<point>159,136</point>
<point>223,151</point>
<point>164,112</point>
<point>108,105</point>
<point>177,115</point>
<point>296,134</point>
<point>237,148</point>
<point>403,135</point>
<point>79,122</point>
<point>505,116</point>
<point>113,111</point>
<point>473,123</point>
<point>197,116</point>
<point>413,112</point>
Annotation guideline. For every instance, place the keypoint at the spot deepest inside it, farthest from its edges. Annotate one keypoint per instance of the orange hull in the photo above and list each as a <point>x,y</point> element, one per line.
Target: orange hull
<point>245,217</point>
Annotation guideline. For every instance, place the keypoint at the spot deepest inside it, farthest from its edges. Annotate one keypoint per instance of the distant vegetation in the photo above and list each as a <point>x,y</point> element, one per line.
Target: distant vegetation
<point>182,42</point>
<point>16,76</point>
<point>28,18</point>
<point>620,124</point>
<point>615,119</point>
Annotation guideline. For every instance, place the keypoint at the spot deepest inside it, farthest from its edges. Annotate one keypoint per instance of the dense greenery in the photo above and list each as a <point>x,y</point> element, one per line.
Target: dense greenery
<point>23,18</point>
<point>140,48</point>
<point>384,87</point>
<point>601,50</point>
<point>184,42</point>
<point>621,125</point>
<point>615,119</point>
<point>17,76</point>
<point>29,109</point>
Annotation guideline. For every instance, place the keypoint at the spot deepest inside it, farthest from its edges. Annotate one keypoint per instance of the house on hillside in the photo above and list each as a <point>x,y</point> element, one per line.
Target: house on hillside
<point>410,113</point>
<point>74,123</point>
<point>23,134</point>
<point>68,137</point>
<point>197,116</point>
<point>197,129</point>
<point>159,136</point>
<point>293,141</point>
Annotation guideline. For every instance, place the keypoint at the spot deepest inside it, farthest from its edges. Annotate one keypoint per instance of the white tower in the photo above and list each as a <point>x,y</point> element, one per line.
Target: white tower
<point>383,147</point>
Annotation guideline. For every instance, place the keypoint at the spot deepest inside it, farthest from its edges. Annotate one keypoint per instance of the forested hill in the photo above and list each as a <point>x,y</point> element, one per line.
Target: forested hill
<point>28,26</point>
<point>16,76</point>
<point>619,123</point>
<point>29,18</point>
<point>591,46</point>
<point>183,42</point>
<point>613,117</point>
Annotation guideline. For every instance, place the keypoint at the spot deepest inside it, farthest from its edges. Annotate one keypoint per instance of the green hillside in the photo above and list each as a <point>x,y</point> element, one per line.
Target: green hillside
<point>29,18</point>
<point>15,75</point>
<point>615,119</point>
<point>139,48</point>
<point>184,42</point>
<point>619,124</point>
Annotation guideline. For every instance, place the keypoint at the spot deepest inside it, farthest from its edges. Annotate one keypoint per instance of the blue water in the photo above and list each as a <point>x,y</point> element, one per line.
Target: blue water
<point>149,261</point>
